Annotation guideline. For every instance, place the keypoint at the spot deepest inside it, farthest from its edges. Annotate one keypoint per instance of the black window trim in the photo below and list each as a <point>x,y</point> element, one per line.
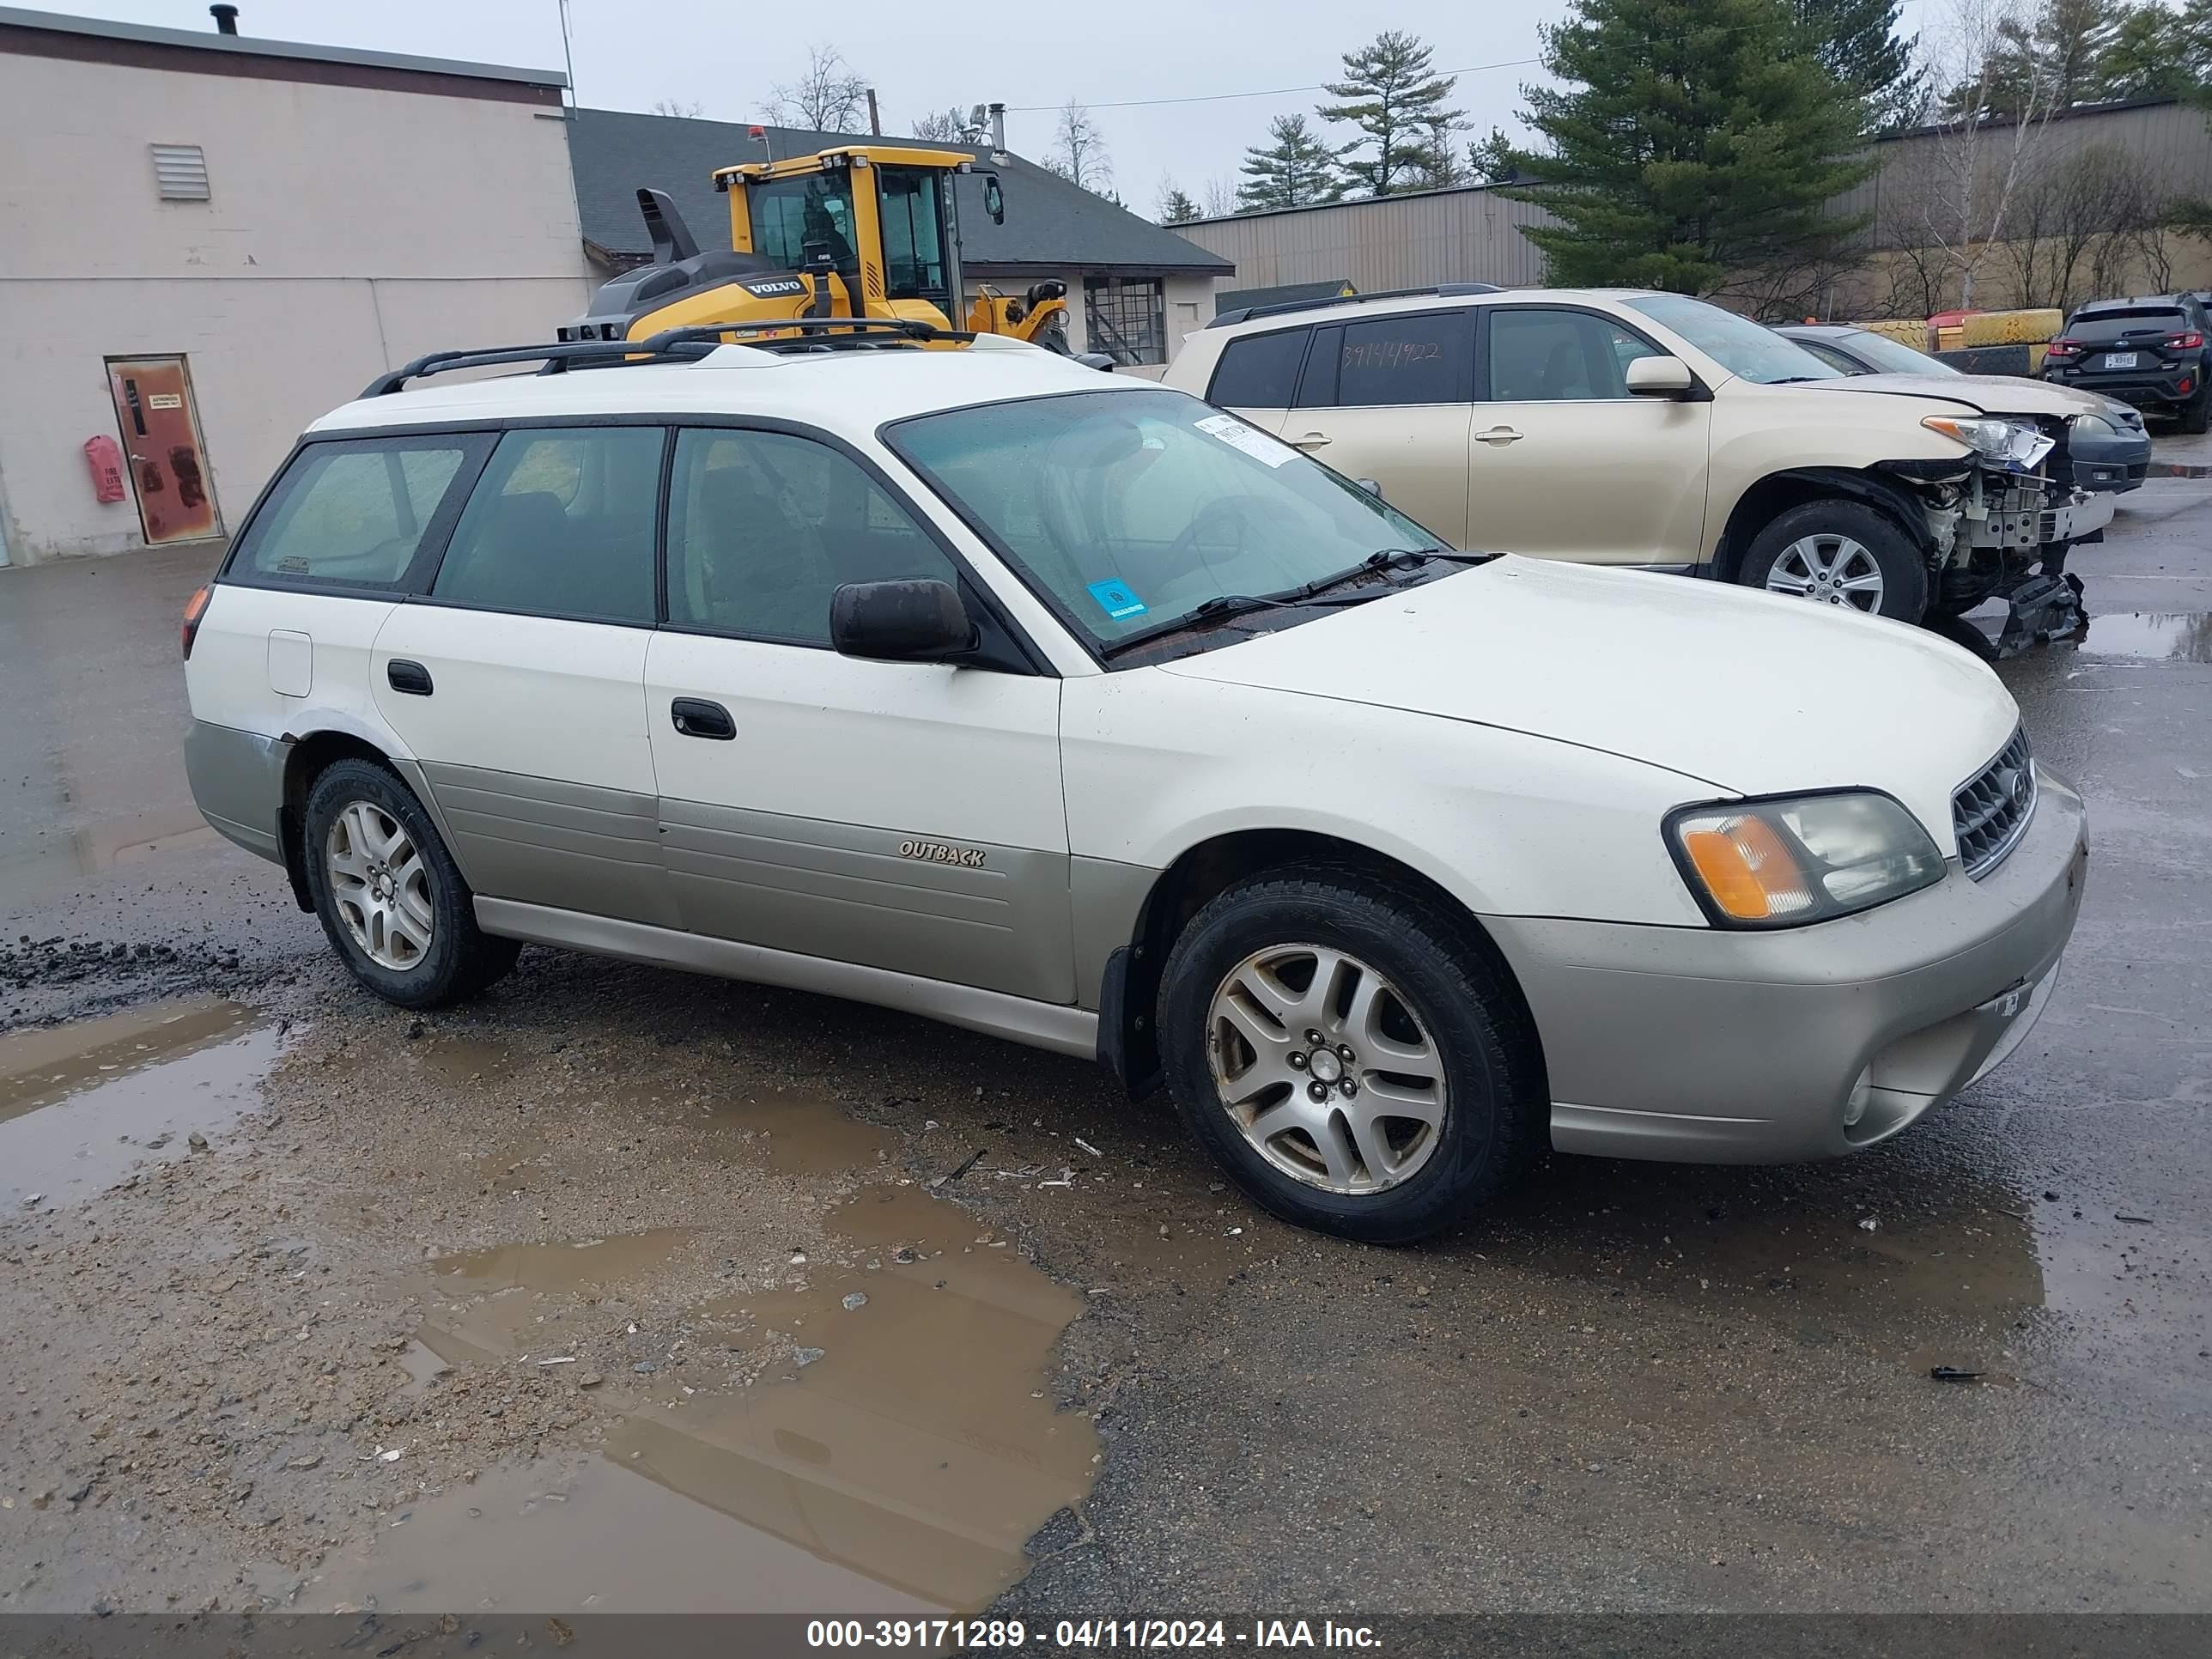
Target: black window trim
<point>1022,655</point>
<point>428,550</point>
<point>1298,370</point>
<point>1467,378</point>
<point>1485,313</point>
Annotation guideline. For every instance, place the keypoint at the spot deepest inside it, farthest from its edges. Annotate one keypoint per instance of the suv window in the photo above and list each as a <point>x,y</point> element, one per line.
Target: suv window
<point>1259,371</point>
<point>561,524</point>
<point>764,527</point>
<point>354,514</point>
<point>1421,357</point>
<point>1541,355</point>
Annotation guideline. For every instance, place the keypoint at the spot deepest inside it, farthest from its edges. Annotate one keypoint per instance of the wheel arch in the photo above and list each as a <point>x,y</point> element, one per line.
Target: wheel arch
<point>1129,991</point>
<point>310,753</point>
<point>1777,492</point>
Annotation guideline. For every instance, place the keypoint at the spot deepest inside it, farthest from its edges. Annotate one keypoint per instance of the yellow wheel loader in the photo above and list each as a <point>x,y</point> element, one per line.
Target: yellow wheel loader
<point>858,231</point>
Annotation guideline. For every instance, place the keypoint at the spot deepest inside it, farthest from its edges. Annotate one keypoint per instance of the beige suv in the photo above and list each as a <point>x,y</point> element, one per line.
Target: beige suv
<point>1654,430</point>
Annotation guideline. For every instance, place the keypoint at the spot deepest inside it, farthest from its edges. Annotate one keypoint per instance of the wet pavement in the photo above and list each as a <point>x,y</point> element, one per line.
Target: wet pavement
<point>620,1290</point>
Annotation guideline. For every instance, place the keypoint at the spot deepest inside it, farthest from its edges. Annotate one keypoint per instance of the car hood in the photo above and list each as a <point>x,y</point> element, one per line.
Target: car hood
<point>1990,394</point>
<point>1743,692</point>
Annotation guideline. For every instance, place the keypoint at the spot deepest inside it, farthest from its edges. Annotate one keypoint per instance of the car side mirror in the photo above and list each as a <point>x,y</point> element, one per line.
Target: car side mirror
<point>994,199</point>
<point>1660,377</point>
<point>1372,486</point>
<point>901,622</point>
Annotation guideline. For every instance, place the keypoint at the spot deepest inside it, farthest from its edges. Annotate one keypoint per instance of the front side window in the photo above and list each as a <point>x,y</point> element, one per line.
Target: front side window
<point>1422,357</point>
<point>787,214</point>
<point>1125,319</point>
<point>913,212</point>
<point>354,513</point>
<point>1541,355</point>
<point>561,524</point>
<point>1127,510</point>
<point>1751,350</point>
<point>764,527</point>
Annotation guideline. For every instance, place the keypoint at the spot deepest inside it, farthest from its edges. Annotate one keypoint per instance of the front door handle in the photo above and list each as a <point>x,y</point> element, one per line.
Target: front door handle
<point>1499,435</point>
<point>411,677</point>
<point>695,717</point>
<point>1311,441</point>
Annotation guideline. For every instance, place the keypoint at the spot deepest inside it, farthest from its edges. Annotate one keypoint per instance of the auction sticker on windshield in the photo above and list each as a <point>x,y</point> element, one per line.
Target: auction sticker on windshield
<point>1253,441</point>
<point>1116,599</point>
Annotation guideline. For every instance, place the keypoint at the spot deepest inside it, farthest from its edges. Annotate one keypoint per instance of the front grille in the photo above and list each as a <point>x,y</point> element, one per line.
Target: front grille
<point>1991,812</point>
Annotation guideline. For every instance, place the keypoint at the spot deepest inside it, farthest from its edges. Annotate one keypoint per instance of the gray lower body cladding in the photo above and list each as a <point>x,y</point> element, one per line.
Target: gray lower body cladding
<point>237,780</point>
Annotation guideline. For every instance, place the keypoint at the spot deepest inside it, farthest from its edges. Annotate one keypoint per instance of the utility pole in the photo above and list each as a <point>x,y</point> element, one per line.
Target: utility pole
<point>875,121</point>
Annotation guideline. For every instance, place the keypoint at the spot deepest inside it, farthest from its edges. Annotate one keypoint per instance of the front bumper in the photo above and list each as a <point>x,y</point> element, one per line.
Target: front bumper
<point>2115,464</point>
<point>1711,1046</point>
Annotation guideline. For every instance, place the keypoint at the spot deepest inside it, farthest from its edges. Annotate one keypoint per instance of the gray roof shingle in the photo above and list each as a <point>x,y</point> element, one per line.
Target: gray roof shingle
<point>1050,224</point>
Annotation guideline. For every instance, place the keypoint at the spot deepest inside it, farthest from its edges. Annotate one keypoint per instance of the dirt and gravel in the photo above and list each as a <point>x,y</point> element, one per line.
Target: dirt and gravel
<point>584,1256</point>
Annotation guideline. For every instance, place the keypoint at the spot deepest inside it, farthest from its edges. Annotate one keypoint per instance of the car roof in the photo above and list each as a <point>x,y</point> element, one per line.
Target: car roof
<point>1386,305</point>
<point>847,391</point>
<point>2142,302</point>
<point>1820,331</point>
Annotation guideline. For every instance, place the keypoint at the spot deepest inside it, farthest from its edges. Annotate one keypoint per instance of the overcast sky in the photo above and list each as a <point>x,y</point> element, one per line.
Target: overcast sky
<point>727,57</point>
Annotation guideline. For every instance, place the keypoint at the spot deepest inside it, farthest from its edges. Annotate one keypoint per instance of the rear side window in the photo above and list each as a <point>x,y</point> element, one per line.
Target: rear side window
<point>561,524</point>
<point>354,514</point>
<point>1422,357</point>
<point>1259,371</point>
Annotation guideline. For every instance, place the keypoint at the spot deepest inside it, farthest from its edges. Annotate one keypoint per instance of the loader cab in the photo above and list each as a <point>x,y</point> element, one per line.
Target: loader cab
<point>883,214</point>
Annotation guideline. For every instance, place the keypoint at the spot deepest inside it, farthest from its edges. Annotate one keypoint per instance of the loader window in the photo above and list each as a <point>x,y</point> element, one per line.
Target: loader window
<point>913,207</point>
<point>789,213</point>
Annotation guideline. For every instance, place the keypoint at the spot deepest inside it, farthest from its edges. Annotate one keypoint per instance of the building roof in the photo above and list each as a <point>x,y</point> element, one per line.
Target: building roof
<point>233,47</point>
<point>1051,225</point>
<point>849,393</point>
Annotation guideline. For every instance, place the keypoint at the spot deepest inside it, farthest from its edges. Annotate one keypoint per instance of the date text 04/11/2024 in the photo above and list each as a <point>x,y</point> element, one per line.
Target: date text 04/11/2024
<point>1086,1633</point>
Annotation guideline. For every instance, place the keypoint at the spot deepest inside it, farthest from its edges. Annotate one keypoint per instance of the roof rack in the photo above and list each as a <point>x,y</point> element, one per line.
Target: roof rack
<point>1446,290</point>
<point>688,344</point>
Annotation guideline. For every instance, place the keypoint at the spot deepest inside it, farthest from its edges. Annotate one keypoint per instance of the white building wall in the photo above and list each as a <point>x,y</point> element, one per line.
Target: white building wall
<point>350,227</point>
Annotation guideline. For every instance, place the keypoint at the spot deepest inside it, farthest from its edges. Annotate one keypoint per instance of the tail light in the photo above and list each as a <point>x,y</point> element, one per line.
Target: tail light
<point>2189,342</point>
<point>195,608</point>
<point>2062,349</point>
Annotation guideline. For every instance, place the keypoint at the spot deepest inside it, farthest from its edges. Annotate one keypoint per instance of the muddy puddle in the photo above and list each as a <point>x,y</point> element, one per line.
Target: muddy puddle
<point>886,1442</point>
<point>2151,636</point>
<point>81,1104</point>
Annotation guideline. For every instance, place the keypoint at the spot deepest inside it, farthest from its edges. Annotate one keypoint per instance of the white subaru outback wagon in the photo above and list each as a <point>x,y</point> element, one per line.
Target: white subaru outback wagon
<point>1074,710</point>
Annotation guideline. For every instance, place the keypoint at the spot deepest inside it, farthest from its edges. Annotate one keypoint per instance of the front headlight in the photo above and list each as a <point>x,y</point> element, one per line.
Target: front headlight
<point>1997,441</point>
<point>1792,860</point>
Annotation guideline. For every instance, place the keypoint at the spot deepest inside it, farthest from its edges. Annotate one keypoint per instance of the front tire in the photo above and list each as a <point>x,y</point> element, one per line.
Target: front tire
<point>1839,553</point>
<point>391,899</point>
<point>1354,1062</point>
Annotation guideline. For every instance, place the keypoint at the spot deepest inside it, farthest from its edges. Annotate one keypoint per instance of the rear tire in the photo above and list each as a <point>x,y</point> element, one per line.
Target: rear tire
<point>2196,416</point>
<point>1432,1101</point>
<point>1842,553</point>
<point>390,897</point>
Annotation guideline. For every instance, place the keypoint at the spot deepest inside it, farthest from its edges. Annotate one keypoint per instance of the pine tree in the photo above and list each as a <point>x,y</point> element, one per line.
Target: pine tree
<point>1173,207</point>
<point>1392,95</point>
<point>2055,59</point>
<point>1858,40</point>
<point>1294,168</point>
<point>1689,141</point>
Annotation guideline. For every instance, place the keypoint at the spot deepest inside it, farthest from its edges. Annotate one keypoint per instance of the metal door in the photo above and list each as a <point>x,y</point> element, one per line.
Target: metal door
<point>160,434</point>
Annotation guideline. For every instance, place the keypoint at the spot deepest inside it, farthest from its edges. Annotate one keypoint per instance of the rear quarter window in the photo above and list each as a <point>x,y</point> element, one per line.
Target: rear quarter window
<point>357,512</point>
<point>1259,371</point>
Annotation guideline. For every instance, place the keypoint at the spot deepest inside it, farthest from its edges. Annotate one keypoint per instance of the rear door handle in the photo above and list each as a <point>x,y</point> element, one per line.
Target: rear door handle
<point>695,717</point>
<point>411,677</point>
<point>1499,435</point>
<point>1311,441</point>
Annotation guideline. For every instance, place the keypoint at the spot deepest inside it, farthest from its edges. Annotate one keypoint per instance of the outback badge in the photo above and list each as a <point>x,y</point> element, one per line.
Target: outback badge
<point>935,852</point>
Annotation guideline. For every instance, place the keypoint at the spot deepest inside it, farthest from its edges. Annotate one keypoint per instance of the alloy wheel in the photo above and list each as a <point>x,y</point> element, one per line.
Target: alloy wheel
<point>1828,569</point>
<point>1326,1069</point>
<point>380,885</point>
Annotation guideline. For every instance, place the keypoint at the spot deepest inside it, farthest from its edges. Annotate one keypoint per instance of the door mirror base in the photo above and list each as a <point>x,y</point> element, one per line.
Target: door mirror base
<point>1661,377</point>
<point>901,621</point>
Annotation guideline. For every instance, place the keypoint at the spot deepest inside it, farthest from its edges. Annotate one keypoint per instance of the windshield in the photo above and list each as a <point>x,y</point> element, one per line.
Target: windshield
<point>1891,356</point>
<point>1740,346</point>
<point>788,214</point>
<point>1127,510</point>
